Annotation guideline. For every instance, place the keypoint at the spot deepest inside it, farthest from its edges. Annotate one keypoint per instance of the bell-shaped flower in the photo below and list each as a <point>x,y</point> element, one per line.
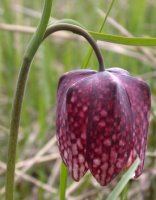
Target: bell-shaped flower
<point>102,122</point>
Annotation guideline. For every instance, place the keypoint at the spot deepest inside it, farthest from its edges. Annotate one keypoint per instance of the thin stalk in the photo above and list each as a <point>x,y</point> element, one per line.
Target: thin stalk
<point>17,103</point>
<point>37,37</point>
<point>80,31</point>
<point>107,14</point>
<point>63,181</point>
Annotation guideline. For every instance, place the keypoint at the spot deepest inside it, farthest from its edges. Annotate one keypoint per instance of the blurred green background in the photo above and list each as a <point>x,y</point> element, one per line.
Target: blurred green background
<point>38,160</point>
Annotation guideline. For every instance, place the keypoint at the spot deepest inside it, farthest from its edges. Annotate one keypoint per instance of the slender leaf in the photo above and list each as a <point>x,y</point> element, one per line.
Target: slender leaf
<point>135,41</point>
<point>124,180</point>
<point>63,181</point>
<point>124,193</point>
<point>90,51</point>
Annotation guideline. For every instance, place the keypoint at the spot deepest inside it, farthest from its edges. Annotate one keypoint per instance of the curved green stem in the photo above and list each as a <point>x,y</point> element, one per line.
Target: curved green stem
<point>131,41</point>
<point>38,35</point>
<point>80,31</point>
<point>17,104</point>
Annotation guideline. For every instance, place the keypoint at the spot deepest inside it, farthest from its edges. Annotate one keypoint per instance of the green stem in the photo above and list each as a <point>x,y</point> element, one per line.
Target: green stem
<point>63,181</point>
<point>37,37</point>
<point>17,104</point>
<point>80,31</point>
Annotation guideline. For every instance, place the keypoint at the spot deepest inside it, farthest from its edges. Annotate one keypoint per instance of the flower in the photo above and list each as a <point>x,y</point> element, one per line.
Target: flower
<point>102,122</point>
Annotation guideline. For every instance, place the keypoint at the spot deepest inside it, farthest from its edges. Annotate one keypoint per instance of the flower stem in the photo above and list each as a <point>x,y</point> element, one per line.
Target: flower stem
<point>17,104</point>
<point>80,31</point>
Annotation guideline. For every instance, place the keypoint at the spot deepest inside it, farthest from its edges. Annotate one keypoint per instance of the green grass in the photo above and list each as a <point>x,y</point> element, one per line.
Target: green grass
<point>56,56</point>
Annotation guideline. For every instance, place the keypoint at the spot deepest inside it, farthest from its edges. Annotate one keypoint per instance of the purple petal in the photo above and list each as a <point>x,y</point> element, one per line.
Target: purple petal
<point>78,100</point>
<point>139,95</point>
<point>66,81</point>
<point>109,139</point>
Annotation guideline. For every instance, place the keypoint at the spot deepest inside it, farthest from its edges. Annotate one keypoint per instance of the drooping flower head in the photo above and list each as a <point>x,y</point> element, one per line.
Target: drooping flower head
<point>102,122</point>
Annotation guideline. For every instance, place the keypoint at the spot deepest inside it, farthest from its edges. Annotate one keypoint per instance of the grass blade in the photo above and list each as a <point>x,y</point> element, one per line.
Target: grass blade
<point>124,180</point>
<point>134,41</point>
<point>90,51</point>
<point>63,181</point>
<point>124,193</point>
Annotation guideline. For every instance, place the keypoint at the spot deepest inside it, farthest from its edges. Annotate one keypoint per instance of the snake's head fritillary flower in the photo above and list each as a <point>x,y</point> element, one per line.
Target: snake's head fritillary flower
<point>102,122</point>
